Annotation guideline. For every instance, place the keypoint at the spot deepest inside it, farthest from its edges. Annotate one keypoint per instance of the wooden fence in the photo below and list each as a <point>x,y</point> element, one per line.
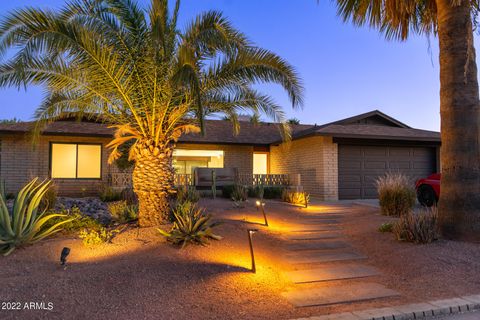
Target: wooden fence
<point>124,180</point>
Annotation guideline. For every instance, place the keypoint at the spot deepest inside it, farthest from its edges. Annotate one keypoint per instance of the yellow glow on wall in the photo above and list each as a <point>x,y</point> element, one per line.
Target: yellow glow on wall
<point>89,161</point>
<point>64,160</point>
<point>70,161</point>
<point>260,163</point>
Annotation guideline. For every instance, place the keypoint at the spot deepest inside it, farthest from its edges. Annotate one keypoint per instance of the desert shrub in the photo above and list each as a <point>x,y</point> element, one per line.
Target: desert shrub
<point>188,193</point>
<point>92,237</point>
<point>239,193</point>
<point>191,225</point>
<point>24,224</point>
<point>227,191</point>
<point>386,227</point>
<point>420,227</point>
<point>50,199</point>
<point>296,197</point>
<point>122,212</point>
<point>77,221</point>
<point>129,195</point>
<point>272,192</point>
<point>396,194</point>
<point>108,194</point>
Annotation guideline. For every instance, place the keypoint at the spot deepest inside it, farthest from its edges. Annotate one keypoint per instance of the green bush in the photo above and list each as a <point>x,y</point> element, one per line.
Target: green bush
<point>24,225</point>
<point>108,194</point>
<point>386,227</point>
<point>272,192</point>
<point>129,195</point>
<point>76,222</point>
<point>418,227</point>
<point>239,193</point>
<point>396,194</point>
<point>92,237</point>
<point>122,212</point>
<point>188,193</point>
<point>191,225</point>
<point>227,191</point>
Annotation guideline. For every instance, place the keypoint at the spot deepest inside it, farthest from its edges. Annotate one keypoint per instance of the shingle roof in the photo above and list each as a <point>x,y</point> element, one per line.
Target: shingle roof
<point>365,126</point>
<point>377,132</point>
<point>216,131</point>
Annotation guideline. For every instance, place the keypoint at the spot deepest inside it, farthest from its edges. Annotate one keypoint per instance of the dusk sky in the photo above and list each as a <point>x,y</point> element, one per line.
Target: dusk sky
<point>345,70</point>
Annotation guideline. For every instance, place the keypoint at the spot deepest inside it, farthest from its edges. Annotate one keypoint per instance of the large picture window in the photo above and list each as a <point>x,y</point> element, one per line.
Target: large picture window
<point>185,161</point>
<point>76,161</point>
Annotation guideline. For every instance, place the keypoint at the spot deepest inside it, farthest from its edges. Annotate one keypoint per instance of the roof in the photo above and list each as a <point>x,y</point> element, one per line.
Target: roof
<point>370,125</point>
<point>217,131</point>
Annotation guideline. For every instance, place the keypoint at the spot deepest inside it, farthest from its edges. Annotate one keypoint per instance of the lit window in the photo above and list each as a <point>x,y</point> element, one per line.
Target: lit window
<point>185,161</point>
<point>76,161</point>
<point>260,163</point>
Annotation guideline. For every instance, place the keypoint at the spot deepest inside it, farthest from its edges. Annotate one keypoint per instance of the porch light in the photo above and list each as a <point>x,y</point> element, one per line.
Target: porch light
<point>250,233</point>
<point>261,204</point>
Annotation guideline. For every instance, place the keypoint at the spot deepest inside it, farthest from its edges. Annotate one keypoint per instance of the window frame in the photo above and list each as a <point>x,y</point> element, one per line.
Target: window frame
<point>76,159</point>
<point>268,159</point>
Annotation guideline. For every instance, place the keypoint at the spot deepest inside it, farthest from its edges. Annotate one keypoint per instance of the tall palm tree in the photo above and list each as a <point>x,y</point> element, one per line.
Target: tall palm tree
<point>451,20</point>
<point>146,78</point>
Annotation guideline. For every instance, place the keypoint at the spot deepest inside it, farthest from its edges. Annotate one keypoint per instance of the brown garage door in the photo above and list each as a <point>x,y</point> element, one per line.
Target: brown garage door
<point>359,166</point>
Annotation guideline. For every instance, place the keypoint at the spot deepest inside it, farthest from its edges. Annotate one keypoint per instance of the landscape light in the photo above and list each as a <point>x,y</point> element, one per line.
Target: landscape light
<point>250,233</point>
<point>64,255</point>
<point>261,204</point>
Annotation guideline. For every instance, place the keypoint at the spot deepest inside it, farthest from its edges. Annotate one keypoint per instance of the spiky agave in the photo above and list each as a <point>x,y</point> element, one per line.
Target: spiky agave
<point>191,225</point>
<point>24,224</point>
<point>151,81</point>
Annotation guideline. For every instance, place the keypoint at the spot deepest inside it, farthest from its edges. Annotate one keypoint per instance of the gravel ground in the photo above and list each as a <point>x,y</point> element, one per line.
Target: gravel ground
<point>139,276</point>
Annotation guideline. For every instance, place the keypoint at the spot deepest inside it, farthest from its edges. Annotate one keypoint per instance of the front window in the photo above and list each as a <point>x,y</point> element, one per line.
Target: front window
<point>76,161</point>
<point>185,161</point>
<point>260,163</point>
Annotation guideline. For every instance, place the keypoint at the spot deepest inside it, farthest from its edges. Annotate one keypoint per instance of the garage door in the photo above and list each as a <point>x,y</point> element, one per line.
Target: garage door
<point>359,166</point>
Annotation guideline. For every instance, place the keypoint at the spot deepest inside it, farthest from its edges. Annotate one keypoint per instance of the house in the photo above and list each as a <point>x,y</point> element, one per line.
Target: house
<point>338,160</point>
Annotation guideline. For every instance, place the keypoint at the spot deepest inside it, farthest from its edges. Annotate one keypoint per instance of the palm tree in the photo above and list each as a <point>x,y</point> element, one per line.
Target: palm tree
<point>143,76</point>
<point>451,20</point>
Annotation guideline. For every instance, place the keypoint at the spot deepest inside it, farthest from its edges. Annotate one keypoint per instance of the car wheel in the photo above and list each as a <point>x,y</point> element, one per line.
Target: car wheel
<point>426,196</point>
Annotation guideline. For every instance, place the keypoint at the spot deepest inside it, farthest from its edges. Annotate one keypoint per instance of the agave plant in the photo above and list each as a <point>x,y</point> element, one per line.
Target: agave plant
<point>24,224</point>
<point>191,225</point>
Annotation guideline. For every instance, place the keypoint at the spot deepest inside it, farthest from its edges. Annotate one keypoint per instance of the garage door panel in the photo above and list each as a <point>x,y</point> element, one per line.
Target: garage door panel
<point>351,165</point>
<point>399,165</point>
<point>399,152</point>
<point>375,164</point>
<point>374,152</point>
<point>360,166</point>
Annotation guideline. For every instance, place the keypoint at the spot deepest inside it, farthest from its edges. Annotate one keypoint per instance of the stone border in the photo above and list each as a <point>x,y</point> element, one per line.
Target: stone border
<point>409,311</point>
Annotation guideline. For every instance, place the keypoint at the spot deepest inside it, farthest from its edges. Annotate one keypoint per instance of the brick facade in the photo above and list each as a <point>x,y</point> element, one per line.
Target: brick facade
<point>315,159</point>
<point>20,162</point>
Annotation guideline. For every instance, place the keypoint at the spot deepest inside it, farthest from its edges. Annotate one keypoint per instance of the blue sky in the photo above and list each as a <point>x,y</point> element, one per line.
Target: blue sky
<point>345,70</point>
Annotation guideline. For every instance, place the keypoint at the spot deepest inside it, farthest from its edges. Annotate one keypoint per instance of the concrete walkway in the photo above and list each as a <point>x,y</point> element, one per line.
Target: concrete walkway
<point>319,251</point>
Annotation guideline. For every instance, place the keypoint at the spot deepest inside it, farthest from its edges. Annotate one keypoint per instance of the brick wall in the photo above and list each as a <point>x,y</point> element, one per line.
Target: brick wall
<point>315,159</point>
<point>20,162</point>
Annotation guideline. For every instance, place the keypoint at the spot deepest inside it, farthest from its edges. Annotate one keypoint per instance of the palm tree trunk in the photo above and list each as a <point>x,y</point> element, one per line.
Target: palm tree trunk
<point>459,207</point>
<point>153,182</point>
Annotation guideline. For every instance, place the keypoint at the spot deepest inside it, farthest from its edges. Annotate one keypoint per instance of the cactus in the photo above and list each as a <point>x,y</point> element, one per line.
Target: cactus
<point>214,184</point>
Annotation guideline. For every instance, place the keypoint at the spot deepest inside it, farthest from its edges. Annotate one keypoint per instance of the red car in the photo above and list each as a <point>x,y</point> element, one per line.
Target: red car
<point>428,190</point>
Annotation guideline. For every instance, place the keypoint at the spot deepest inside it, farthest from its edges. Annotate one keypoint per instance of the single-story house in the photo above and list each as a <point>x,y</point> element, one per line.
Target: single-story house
<point>338,160</point>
